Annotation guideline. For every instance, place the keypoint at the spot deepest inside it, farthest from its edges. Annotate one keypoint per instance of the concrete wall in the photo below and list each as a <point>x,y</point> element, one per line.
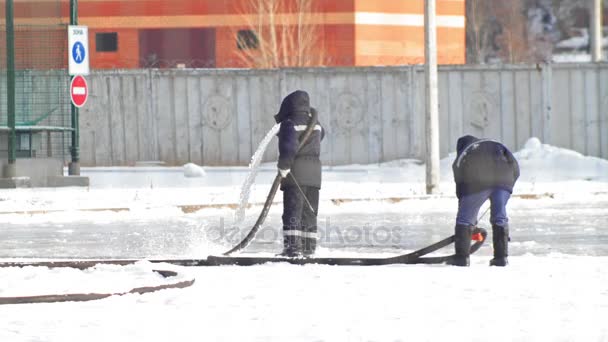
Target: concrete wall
<point>218,117</point>
<point>41,171</point>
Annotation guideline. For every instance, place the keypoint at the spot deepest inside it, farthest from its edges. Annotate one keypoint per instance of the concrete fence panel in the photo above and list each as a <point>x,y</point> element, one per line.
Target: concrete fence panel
<point>371,115</point>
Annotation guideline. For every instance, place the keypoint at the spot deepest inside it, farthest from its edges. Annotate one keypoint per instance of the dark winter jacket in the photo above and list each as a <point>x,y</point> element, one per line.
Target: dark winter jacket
<point>483,164</point>
<point>305,164</point>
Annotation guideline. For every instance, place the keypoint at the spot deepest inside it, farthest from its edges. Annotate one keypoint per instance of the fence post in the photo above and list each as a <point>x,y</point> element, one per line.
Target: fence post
<point>74,166</point>
<point>11,169</point>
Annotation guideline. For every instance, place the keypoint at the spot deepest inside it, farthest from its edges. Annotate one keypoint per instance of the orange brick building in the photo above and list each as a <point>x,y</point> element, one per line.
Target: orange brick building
<point>203,33</point>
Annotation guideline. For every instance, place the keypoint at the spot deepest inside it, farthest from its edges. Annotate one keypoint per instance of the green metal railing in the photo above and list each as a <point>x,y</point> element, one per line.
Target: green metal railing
<point>10,79</point>
<point>35,117</point>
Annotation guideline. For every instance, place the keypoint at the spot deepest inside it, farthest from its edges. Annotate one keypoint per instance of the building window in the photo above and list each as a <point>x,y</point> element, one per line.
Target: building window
<point>106,42</point>
<point>247,39</point>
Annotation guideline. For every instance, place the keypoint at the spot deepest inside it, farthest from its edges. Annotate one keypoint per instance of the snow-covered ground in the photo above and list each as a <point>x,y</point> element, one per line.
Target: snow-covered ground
<point>545,169</point>
<point>555,288</point>
<point>556,298</point>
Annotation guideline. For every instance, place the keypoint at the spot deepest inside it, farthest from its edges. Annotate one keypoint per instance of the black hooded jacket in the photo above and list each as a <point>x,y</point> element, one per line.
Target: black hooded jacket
<point>305,165</point>
<point>483,164</point>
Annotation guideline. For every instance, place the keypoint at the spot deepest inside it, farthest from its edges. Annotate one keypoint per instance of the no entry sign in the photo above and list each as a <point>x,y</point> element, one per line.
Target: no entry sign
<point>79,91</point>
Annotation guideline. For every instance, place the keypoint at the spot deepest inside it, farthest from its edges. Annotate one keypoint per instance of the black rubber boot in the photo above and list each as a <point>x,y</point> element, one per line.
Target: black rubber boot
<point>292,246</point>
<point>310,245</point>
<point>500,240</point>
<point>462,245</point>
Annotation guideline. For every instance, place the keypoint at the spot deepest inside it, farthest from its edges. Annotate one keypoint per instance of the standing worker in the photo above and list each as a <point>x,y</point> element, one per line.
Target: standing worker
<point>301,173</point>
<point>484,169</point>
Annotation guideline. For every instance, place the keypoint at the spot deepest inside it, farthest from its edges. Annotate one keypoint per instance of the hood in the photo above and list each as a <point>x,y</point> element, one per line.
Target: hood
<point>463,142</point>
<point>298,101</point>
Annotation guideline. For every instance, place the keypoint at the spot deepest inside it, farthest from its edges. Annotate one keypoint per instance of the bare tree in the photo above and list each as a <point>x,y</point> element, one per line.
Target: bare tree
<point>480,31</point>
<point>280,34</point>
<point>542,30</point>
<point>564,12</point>
<point>521,31</point>
<point>512,40</point>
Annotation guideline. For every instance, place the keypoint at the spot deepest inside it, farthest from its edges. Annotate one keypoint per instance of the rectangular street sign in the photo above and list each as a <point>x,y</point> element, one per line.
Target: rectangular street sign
<point>78,50</point>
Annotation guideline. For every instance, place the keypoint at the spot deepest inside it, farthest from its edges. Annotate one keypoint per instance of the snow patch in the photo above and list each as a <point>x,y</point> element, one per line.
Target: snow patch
<point>34,281</point>
<point>192,170</point>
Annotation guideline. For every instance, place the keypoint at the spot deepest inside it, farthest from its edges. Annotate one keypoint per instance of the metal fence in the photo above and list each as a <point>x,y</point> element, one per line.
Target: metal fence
<point>218,117</point>
<point>42,105</point>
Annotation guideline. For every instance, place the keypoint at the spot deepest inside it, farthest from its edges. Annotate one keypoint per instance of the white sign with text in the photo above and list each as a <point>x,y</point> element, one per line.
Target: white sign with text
<point>78,50</point>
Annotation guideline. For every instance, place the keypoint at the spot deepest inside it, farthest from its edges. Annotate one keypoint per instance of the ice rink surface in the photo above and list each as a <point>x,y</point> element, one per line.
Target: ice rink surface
<point>541,226</point>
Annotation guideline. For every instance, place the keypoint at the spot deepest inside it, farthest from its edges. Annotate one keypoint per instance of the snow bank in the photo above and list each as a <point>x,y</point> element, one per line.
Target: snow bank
<point>542,162</point>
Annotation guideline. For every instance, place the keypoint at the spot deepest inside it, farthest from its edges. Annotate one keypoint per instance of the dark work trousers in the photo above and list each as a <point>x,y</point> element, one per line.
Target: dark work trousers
<point>468,207</point>
<point>299,222</point>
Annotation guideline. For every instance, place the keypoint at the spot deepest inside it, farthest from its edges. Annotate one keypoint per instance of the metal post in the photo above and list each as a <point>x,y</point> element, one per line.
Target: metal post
<point>432,110</point>
<point>10,170</point>
<point>596,30</point>
<point>74,166</point>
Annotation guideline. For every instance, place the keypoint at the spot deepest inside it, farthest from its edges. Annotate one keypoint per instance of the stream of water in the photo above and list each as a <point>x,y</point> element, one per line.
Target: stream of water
<point>254,166</point>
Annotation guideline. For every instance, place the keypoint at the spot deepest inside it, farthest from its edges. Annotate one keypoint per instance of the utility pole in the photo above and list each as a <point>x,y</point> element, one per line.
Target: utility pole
<point>596,30</point>
<point>431,97</point>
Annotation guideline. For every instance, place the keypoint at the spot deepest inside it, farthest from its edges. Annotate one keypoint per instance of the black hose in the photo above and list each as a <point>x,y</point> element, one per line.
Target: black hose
<point>273,189</point>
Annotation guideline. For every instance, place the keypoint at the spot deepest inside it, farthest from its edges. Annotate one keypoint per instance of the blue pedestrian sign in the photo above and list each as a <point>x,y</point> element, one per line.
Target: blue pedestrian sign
<point>78,52</point>
<point>78,46</point>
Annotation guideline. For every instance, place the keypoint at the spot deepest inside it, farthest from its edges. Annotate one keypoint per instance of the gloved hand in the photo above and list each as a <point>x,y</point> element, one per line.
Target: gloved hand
<point>284,173</point>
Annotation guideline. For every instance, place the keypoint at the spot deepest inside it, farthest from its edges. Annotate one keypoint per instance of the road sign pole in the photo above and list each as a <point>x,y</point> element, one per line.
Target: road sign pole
<point>74,166</point>
<point>10,170</point>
